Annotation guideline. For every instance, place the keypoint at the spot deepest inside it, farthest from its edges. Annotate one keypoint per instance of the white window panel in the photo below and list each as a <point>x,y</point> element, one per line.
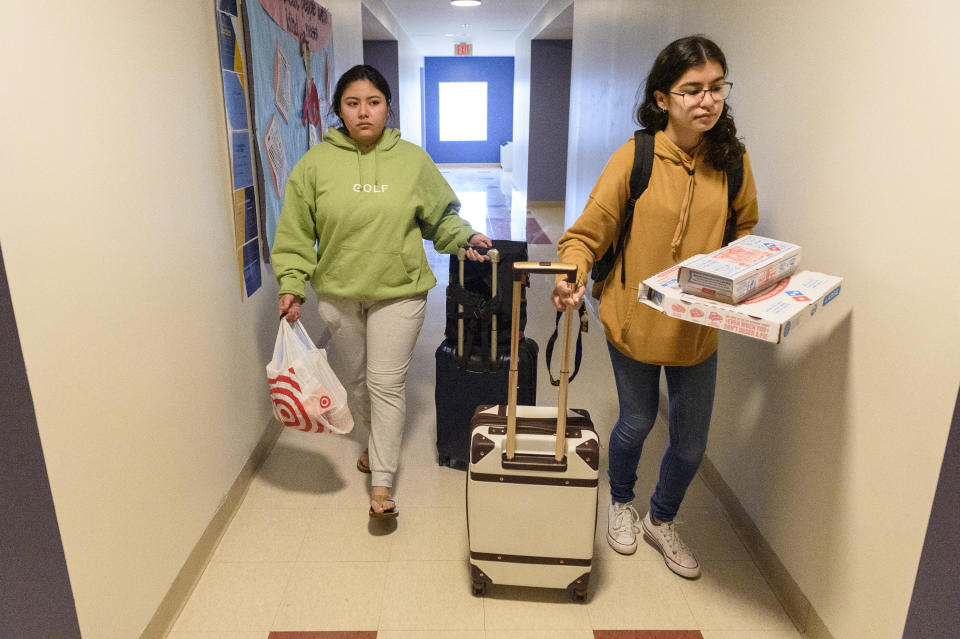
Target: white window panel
<point>463,111</point>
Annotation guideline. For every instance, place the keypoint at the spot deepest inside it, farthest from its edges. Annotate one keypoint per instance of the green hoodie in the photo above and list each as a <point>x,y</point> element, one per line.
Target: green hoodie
<point>367,211</point>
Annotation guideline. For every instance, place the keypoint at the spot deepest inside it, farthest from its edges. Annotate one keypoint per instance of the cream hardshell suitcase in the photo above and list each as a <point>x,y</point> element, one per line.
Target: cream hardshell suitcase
<point>532,482</point>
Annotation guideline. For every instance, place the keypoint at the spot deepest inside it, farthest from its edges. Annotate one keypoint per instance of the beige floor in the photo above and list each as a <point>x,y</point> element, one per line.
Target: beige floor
<point>302,555</point>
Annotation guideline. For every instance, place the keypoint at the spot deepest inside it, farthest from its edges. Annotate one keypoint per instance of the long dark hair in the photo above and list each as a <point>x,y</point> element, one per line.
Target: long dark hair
<point>724,149</point>
<point>361,72</point>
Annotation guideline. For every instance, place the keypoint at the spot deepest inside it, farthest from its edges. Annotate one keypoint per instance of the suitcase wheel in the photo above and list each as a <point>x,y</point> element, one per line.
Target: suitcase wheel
<point>480,589</point>
<point>578,589</point>
<point>450,462</point>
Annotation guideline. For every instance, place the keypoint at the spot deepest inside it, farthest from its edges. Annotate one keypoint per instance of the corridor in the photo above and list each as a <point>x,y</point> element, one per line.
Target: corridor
<point>301,559</point>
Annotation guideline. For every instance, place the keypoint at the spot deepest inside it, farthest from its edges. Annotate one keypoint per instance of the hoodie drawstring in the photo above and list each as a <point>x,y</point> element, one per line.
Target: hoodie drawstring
<point>684,217</point>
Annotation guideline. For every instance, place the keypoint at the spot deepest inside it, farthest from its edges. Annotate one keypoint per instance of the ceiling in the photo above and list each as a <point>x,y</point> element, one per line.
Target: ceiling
<point>492,28</point>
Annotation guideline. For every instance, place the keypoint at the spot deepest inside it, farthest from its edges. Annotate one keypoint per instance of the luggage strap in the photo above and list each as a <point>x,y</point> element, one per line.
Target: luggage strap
<point>584,326</point>
<point>476,314</point>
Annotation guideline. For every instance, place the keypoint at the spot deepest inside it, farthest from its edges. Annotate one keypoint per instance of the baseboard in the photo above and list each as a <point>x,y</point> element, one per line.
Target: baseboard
<point>550,204</point>
<point>186,580</point>
<point>469,165</point>
<point>784,588</point>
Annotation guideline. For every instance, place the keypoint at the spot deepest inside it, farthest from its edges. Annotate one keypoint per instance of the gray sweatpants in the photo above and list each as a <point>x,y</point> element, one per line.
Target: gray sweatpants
<point>371,344</point>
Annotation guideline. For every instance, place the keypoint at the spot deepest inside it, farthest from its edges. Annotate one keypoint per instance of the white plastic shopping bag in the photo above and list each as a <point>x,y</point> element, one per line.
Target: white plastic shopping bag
<point>305,392</point>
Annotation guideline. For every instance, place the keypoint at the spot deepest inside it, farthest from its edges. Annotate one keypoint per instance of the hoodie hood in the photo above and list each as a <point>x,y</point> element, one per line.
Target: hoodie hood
<point>665,149</point>
<point>367,158</point>
<point>342,140</point>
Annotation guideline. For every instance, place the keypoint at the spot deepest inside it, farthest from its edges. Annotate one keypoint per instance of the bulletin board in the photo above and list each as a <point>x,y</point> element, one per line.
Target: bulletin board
<point>276,58</point>
<point>290,46</point>
<point>246,217</point>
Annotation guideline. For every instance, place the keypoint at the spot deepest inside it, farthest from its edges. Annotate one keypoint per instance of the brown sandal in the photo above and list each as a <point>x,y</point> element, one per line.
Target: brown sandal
<point>393,513</point>
<point>363,463</point>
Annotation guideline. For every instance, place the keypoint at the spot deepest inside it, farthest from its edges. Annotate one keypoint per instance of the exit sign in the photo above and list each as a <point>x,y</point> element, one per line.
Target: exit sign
<point>463,48</point>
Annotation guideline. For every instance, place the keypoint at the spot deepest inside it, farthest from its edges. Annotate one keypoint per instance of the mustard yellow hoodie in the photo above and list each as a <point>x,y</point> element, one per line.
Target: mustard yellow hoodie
<point>681,213</point>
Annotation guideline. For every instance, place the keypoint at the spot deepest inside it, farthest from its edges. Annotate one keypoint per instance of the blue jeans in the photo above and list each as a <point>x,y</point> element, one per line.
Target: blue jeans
<point>690,390</point>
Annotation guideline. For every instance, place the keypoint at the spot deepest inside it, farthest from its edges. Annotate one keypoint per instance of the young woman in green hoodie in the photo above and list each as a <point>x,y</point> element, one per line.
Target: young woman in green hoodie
<point>355,213</point>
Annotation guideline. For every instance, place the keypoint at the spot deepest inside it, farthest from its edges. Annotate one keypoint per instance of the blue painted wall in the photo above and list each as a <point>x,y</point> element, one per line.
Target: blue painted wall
<point>497,72</point>
<point>549,120</point>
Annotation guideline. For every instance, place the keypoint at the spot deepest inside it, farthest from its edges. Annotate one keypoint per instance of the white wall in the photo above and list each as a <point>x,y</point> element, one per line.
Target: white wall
<point>614,43</point>
<point>832,440</point>
<point>410,61</point>
<point>145,365</point>
<point>347,34</point>
<point>521,90</point>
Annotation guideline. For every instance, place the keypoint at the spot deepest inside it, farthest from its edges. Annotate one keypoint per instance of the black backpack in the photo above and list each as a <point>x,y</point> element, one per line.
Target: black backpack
<point>639,178</point>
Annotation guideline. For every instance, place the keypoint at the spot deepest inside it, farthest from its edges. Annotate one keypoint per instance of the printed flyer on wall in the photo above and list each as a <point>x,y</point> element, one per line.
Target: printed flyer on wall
<point>245,211</point>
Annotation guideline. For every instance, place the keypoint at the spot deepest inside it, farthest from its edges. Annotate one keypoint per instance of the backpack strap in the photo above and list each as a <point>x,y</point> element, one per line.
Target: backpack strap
<point>582,311</point>
<point>734,184</point>
<point>639,179</point>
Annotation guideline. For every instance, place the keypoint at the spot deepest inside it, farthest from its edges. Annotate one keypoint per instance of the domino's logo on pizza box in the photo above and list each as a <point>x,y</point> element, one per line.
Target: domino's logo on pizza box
<point>798,296</point>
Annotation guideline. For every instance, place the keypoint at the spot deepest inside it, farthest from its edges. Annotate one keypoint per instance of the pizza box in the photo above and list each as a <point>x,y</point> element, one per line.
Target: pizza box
<point>770,315</point>
<point>737,271</point>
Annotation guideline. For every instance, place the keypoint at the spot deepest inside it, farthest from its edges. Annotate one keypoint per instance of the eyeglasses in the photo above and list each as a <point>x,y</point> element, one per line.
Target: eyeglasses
<point>719,93</point>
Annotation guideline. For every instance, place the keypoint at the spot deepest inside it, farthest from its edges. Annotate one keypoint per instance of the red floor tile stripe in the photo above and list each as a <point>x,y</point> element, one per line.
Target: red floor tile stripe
<point>325,634</point>
<point>647,634</point>
<point>535,234</point>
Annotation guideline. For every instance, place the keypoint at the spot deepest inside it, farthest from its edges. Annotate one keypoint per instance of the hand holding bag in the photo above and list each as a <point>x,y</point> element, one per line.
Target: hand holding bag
<point>306,394</point>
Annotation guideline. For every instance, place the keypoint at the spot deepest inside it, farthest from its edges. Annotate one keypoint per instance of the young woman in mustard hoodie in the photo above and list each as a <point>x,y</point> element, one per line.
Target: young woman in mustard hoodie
<point>682,212</point>
<point>355,213</point>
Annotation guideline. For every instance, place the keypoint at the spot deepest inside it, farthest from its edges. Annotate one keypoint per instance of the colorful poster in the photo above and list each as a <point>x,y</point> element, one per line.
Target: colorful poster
<point>288,108</point>
<point>303,19</point>
<point>245,215</point>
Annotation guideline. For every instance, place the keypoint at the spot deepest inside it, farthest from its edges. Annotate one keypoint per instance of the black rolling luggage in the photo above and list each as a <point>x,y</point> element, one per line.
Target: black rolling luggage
<point>472,371</point>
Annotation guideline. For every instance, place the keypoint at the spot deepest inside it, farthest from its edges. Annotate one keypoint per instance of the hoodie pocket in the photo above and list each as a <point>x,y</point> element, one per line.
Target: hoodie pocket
<point>371,270</point>
<point>632,308</point>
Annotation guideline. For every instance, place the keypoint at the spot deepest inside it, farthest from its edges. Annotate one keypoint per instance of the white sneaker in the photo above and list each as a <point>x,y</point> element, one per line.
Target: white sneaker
<point>678,557</point>
<point>622,527</point>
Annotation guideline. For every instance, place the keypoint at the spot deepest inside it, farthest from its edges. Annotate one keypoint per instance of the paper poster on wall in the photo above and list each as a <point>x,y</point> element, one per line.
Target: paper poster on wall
<point>281,81</point>
<point>245,213</point>
<point>276,156</point>
<point>251,266</point>
<point>298,35</point>
<point>229,49</point>
<point>242,166</point>
<point>236,100</point>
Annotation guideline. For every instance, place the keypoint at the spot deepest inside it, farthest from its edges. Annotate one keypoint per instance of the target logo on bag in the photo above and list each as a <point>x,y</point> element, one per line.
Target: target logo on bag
<point>288,409</point>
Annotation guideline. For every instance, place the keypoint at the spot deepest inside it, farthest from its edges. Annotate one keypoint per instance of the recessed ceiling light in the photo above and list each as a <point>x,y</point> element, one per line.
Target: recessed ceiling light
<point>465,3</point>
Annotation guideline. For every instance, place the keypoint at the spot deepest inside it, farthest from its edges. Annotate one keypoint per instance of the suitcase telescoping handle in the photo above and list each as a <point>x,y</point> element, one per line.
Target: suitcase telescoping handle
<point>494,261</point>
<point>521,269</point>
